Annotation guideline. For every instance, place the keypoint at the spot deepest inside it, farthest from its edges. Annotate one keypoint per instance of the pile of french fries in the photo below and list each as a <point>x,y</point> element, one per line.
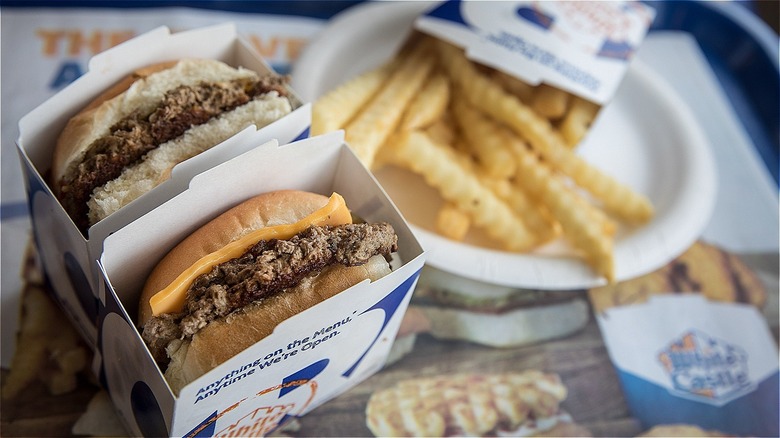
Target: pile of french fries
<point>501,153</point>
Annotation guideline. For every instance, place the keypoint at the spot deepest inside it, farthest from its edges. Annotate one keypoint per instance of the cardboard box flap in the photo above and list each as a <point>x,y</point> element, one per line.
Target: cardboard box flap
<point>144,392</point>
<point>581,47</point>
<point>216,41</point>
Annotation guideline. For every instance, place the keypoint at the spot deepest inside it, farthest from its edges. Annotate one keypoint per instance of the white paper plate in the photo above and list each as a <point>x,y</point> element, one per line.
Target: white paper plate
<point>646,138</point>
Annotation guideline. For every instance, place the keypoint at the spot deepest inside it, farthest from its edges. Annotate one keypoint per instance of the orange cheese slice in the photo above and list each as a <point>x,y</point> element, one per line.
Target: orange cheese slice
<point>171,299</point>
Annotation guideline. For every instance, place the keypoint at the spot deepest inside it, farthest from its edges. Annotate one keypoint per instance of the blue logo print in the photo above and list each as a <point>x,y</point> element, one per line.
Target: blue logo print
<point>706,368</point>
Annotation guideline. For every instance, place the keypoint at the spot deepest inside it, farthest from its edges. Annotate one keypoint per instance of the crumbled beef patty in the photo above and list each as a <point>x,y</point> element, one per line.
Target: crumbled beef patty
<point>132,137</point>
<point>269,267</point>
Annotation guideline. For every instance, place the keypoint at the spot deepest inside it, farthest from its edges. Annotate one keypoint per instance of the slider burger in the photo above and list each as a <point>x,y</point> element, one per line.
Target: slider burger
<point>452,307</point>
<point>127,140</point>
<point>227,285</point>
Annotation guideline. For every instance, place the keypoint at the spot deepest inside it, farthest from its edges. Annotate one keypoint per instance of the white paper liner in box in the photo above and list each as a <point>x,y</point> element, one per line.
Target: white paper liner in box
<point>309,359</point>
<point>67,257</point>
<point>685,359</point>
<point>580,47</point>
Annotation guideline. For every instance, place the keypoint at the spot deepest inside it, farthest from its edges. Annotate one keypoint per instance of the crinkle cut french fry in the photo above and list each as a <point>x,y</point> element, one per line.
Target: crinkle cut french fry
<point>452,222</point>
<point>464,149</point>
<point>550,102</point>
<point>597,215</point>
<point>577,222</point>
<point>577,121</point>
<point>374,124</point>
<point>442,131</point>
<point>500,186</point>
<point>491,151</point>
<point>26,366</point>
<point>617,198</point>
<point>608,226</point>
<point>441,169</point>
<point>540,223</point>
<point>491,135</point>
<point>523,90</point>
<point>336,108</point>
<point>429,104</point>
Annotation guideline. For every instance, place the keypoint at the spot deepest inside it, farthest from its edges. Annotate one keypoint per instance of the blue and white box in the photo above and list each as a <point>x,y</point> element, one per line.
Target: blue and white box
<point>309,359</point>
<point>580,47</point>
<point>684,359</point>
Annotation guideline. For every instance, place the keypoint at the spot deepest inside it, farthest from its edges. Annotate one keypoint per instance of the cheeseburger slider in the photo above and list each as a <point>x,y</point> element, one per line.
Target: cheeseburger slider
<point>231,282</point>
<point>127,141</point>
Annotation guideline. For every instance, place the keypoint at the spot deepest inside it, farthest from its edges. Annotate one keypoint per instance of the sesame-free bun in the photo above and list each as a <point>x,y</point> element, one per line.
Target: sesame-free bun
<point>141,92</point>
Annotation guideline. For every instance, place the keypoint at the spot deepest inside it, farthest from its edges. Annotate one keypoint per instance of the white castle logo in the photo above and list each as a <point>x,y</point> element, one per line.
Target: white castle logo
<point>705,368</point>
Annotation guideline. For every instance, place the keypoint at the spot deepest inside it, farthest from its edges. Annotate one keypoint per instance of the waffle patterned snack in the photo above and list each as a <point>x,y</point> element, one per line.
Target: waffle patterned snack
<point>703,268</point>
<point>464,404</point>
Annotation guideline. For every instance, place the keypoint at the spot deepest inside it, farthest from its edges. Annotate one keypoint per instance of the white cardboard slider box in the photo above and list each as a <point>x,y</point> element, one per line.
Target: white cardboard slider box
<point>67,256</point>
<point>682,358</point>
<point>309,358</point>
